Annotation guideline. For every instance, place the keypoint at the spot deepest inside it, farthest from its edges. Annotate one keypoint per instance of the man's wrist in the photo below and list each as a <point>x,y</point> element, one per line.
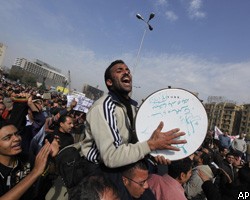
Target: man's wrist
<point>151,145</point>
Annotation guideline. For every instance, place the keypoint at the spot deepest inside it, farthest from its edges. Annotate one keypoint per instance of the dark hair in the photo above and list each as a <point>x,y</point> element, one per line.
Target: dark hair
<point>206,143</point>
<point>54,111</point>
<point>107,74</point>
<point>64,102</point>
<point>230,154</point>
<point>217,142</point>
<point>129,169</point>
<point>221,148</point>
<point>92,188</point>
<point>4,123</point>
<point>63,118</point>
<point>50,137</point>
<point>206,158</point>
<point>237,154</point>
<point>179,166</point>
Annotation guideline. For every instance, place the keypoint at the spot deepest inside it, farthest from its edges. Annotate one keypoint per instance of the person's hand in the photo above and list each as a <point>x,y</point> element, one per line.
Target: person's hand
<point>73,103</point>
<point>41,159</point>
<point>237,162</point>
<point>163,140</point>
<point>30,100</point>
<point>25,95</point>
<point>21,97</point>
<point>162,160</point>
<point>203,176</point>
<point>191,156</point>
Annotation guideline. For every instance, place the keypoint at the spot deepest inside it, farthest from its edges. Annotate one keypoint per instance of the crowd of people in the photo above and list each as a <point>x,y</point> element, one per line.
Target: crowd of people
<point>48,150</point>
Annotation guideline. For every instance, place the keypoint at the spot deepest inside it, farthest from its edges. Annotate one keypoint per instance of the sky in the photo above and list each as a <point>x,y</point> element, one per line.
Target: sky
<point>202,46</point>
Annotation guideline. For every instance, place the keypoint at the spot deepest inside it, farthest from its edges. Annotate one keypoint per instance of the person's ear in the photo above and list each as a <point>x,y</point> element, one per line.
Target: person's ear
<point>124,180</point>
<point>182,176</point>
<point>109,82</point>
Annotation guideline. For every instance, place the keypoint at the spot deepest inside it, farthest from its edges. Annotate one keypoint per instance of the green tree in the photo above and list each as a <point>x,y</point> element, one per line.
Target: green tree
<point>28,79</point>
<point>43,86</point>
<point>15,74</point>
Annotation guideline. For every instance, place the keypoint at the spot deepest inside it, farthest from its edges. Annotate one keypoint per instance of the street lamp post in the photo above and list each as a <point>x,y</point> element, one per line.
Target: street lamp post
<point>148,26</point>
<point>151,16</point>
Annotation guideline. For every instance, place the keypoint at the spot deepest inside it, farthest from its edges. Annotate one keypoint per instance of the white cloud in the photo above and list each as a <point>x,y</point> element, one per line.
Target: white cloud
<point>194,74</point>
<point>153,72</point>
<point>194,9</point>
<point>171,16</point>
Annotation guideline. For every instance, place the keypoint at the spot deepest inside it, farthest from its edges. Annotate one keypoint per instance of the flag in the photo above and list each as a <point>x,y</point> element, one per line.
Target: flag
<point>217,132</point>
<point>232,137</point>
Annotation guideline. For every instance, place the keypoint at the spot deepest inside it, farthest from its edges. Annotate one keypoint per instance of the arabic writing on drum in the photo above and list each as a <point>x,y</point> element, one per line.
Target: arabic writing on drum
<point>177,109</point>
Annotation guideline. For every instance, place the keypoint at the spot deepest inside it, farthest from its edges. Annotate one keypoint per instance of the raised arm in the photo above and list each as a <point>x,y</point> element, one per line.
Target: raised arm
<point>41,159</point>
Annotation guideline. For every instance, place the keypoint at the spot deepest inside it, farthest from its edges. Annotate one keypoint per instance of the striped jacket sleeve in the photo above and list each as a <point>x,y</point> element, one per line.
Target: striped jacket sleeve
<point>109,133</point>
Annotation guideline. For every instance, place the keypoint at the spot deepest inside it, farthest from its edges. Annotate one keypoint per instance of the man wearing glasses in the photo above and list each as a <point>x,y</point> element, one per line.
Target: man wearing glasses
<point>135,179</point>
<point>111,141</point>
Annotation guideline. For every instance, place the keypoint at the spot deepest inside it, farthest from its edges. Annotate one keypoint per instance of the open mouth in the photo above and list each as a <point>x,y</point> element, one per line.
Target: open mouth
<point>126,80</point>
<point>18,145</point>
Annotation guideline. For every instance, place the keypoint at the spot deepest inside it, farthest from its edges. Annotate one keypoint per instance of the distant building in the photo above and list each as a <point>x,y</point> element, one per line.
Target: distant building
<point>2,53</point>
<point>92,92</point>
<point>226,116</point>
<point>42,71</point>
<point>245,119</point>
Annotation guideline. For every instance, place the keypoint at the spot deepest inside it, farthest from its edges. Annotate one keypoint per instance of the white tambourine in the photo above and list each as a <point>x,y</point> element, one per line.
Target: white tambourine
<point>177,108</point>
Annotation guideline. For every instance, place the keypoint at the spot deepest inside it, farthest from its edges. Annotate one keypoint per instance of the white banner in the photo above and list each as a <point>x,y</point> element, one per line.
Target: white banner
<point>83,103</point>
<point>217,132</point>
